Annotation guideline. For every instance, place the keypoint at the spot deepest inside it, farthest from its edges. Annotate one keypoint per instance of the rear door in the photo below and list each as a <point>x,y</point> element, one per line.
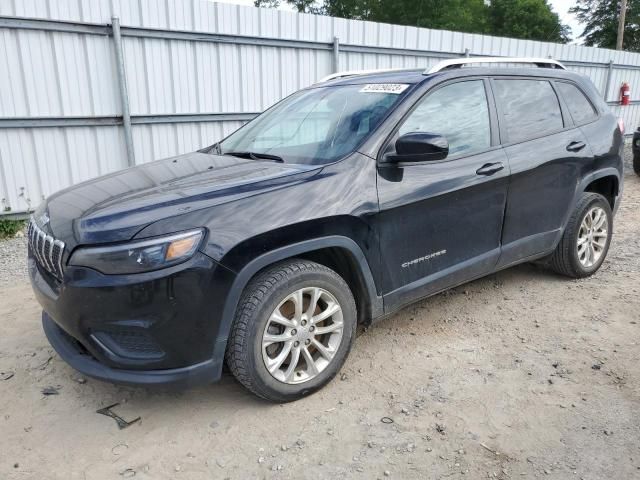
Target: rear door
<point>440,222</point>
<point>546,153</point>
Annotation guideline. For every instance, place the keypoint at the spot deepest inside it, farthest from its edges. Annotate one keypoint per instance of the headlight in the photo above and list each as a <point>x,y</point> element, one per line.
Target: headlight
<point>139,256</point>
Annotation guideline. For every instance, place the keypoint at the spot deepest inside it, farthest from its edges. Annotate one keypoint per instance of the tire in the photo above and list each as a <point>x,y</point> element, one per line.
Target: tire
<point>566,259</point>
<point>270,298</point>
<point>636,164</point>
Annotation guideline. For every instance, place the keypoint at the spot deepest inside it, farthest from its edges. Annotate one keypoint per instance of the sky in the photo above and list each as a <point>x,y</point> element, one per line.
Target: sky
<point>561,7</point>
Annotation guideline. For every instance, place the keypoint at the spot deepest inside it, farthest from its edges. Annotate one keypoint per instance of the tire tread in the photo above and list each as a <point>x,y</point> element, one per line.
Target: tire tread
<point>560,261</point>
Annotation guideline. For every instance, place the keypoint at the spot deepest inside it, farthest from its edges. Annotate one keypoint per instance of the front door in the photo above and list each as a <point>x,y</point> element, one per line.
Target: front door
<point>440,222</point>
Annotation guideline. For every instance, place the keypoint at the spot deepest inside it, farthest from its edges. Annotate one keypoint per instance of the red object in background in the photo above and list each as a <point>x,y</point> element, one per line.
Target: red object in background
<point>625,94</point>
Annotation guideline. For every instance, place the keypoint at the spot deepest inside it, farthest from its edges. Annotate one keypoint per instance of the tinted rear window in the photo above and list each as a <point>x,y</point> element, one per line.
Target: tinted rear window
<point>530,108</point>
<point>580,107</point>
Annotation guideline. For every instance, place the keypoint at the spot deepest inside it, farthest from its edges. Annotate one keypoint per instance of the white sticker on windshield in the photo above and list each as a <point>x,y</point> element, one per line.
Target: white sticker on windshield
<point>395,88</point>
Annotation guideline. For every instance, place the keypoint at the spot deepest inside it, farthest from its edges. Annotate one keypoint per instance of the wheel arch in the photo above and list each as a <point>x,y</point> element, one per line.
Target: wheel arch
<point>606,184</point>
<point>340,253</point>
<point>594,182</point>
<point>346,263</point>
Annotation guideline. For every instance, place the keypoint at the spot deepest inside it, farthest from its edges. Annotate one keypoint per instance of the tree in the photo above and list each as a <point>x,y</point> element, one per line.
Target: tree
<point>302,6</point>
<point>600,18</point>
<point>461,15</point>
<point>527,19</point>
<point>530,19</point>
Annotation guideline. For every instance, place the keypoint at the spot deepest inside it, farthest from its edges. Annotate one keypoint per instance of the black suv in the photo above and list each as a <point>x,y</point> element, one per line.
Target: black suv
<point>635,149</point>
<point>339,205</point>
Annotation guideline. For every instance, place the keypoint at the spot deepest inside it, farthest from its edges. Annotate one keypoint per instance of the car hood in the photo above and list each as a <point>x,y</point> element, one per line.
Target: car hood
<point>115,207</point>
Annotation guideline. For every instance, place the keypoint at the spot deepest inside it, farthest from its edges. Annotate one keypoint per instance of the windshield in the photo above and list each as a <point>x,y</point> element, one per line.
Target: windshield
<point>315,126</point>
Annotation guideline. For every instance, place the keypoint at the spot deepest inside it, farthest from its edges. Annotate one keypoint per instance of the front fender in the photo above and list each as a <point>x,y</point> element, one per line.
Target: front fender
<point>290,251</point>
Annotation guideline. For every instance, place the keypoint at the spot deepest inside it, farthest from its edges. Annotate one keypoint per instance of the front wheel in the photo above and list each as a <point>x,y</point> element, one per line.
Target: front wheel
<point>293,330</point>
<point>586,239</point>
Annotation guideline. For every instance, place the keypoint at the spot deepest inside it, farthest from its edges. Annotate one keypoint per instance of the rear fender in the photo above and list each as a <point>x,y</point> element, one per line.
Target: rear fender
<point>581,188</point>
<point>588,179</point>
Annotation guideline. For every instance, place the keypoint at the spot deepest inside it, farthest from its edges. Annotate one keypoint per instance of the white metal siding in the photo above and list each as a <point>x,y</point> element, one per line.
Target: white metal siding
<point>44,74</point>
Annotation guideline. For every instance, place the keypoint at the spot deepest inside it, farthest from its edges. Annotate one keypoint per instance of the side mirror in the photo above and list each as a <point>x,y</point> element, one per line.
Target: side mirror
<point>419,147</point>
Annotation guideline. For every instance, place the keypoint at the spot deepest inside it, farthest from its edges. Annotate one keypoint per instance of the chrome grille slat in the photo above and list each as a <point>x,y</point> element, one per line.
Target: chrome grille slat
<point>46,250</point>
<point>40,247</point>
<point>35,242</point>
<point>43,253</point>
<point>59,252</point>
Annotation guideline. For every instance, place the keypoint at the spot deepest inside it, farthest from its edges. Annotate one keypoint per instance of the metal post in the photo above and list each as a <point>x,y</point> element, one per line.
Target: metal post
<point>124,96</point>
<point>621,17</point>
<point>336,54</point>
<point>467,53</point>
<point>605,94</point>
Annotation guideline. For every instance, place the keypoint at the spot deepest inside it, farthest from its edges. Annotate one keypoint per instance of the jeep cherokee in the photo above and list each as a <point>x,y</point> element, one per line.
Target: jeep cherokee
<point>339,205</point>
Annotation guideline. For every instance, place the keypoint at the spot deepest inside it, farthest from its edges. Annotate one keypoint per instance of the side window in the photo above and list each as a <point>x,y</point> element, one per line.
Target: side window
<point>530,108</point>
<point>580,107</point>
<point>459,112</point>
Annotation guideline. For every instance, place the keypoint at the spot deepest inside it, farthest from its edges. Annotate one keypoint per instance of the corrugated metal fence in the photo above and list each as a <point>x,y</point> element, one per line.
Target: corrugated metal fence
<point>195,70</point>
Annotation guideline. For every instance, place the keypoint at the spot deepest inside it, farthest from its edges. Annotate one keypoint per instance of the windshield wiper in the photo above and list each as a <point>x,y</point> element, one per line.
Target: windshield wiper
<point>255,156</point>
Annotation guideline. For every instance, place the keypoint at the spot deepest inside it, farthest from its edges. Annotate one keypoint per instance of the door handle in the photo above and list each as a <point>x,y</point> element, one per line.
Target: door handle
<point>490,168</point>
<point>575,146</point>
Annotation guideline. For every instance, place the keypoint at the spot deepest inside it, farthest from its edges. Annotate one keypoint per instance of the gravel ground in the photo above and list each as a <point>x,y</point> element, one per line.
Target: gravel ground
<point>522,374</point>
<point>13,261</point>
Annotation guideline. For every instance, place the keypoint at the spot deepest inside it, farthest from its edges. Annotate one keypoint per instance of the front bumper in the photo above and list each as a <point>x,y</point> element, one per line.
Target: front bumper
<point>153,328</point>
<point>72,352</point>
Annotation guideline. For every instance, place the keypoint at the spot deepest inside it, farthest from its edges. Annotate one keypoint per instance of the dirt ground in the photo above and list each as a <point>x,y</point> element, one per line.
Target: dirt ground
<point>522,374</point>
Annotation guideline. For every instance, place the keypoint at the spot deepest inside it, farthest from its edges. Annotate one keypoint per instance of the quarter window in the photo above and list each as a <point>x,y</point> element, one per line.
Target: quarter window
<point>581,109</point>
<point>530,108</point>
<point>459,112</point>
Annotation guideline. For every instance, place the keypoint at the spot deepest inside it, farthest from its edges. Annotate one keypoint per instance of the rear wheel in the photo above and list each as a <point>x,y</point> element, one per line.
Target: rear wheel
<point>293,330</point>
<point>586,238</point>
<point>636,164</point>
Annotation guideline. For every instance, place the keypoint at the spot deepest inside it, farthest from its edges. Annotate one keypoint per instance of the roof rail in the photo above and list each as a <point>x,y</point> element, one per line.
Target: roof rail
<point>353,73</point>
<point>459,62</point>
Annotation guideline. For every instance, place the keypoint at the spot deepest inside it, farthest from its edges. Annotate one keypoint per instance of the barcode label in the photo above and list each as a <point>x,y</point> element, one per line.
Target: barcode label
<point>395,88</point>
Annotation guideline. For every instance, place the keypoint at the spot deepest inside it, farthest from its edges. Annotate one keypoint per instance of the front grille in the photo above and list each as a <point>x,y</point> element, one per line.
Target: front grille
<point>45,249</point>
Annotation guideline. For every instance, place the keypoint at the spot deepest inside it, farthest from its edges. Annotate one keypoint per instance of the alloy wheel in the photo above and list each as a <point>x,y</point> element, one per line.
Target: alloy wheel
<point>592,237</point>
<point>302,335</point>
